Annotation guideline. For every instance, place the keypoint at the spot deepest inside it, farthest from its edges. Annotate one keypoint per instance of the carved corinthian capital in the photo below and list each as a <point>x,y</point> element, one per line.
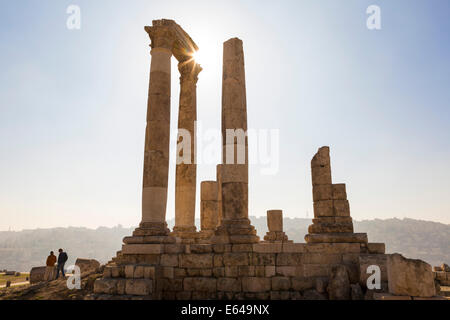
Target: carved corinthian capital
<point>189,70</point>
<point>161,36</point>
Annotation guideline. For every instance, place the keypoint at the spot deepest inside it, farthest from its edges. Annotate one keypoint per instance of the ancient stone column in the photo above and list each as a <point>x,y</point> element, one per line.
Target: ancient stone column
<point>156,157</point>
<point>275,226</point>
<point>209,210</point>
<point>235,226</point>
<point>186,170</point>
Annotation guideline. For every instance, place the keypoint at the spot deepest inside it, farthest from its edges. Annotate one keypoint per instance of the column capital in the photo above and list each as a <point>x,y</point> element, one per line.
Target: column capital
<point>161,36</point>
<point>189,70</point>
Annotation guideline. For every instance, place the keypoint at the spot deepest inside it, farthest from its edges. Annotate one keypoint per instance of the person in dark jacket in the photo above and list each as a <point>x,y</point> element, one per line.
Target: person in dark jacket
<point>62,258</point>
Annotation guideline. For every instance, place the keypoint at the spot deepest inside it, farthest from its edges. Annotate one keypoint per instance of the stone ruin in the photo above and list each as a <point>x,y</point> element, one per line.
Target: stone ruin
<point>226,259</point>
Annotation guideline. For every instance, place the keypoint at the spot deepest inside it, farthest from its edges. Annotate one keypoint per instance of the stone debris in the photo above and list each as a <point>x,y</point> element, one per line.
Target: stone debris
<point>37,274</point>
<point>339,284</point>
<point>87,264</point>
<point>409,277</point>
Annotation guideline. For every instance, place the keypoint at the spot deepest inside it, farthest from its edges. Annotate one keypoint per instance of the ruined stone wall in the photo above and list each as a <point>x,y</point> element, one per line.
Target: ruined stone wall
<point>231,271</point>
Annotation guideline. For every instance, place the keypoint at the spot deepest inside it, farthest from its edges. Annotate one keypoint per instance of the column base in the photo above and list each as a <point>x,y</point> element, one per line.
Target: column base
<point>185,234</point>
<point>235,231</point>
<point>204,236</point>
<point>276,236</point>
<point>150,232</point>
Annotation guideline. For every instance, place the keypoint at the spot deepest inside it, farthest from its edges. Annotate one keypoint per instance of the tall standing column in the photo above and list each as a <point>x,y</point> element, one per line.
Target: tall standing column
<point>157,137</point>
<point>186,170</point>
<point>235,226</point>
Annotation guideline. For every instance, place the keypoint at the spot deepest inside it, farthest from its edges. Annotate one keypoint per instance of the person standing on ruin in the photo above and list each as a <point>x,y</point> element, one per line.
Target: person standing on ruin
<point>62,258</point>
<point>50,267</point>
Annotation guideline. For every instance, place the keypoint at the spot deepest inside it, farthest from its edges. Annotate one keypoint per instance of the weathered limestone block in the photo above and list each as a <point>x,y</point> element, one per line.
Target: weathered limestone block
<point>321,175</point>
<point>209,218</point>
<point>169,284</point>
<point>263,259</point>
<point>281,283</point>
<point>321,284</point>
<point>174,248</point>
<point>129,271</point>
<point>376,248</point>
<point>320,258</point>
<point>290,271</point>
<point>87,264</point>
<point>255,284</point>
<point>302,283</point>
<point>139,287</point>
<point>319,227</point>
<point>293,247</point>
<point>169,260</point>
<point>314,295</point>
<point>339,284</point>
<point>322,192</point>
<point>199,272</point>
<point>331,220</point>
<point>37,274</point>
<point>341,208</point>
<point>246,271</point>
<point>339,191</point>
<point>229,284</point>
<point>289,259</point>
<point>267,247</point>
<point>138,272</point>
<point>280,295</point>
<point>236,259</point>
<point>275,220</point>
<point>142,249</point>
<point>324,208</point>
<point>106,286</point>
<point>316,270</point>
<point>336,237</point>
<point>409,277</point>
<point>209,190</point>
<point>209,210</point>
<point>200,248</point>
<point>242,247</point>
<point>196,260</point>
<point>149,272</point>
<point>356,292</point>
<point>200,284</point>
<point>269,271</point>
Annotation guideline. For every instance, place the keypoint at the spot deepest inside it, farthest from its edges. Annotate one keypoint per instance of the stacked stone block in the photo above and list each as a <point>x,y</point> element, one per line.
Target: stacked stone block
<point>332,221</point>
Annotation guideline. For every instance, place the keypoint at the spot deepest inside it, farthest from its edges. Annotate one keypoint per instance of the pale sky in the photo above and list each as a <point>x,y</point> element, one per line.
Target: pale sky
<point>73,104</point>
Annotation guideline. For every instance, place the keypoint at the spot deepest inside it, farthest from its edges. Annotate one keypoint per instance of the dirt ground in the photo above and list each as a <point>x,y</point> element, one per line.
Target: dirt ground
<point>53,290</point>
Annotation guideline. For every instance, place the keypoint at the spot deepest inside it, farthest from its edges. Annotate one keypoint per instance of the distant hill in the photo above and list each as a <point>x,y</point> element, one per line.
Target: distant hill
<point>429,241</point>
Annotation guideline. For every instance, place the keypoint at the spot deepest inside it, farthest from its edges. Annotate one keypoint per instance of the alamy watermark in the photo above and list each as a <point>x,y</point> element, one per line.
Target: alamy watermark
<point>374,20</point>
<point>73,21</point>
<point>74,280</point>
<point>374,280</point>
